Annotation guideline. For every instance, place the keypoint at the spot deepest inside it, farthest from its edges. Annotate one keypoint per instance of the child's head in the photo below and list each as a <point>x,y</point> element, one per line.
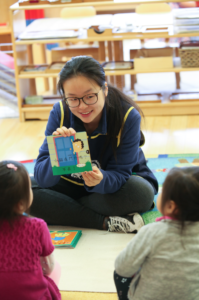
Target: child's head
<point>180,195</point>
<point>15,190</point>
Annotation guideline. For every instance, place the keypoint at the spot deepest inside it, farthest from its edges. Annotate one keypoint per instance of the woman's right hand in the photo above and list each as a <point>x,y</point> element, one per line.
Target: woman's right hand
<point>64,131</point>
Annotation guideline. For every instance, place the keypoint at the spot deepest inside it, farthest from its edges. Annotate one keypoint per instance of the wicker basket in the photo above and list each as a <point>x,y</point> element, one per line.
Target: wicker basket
<point>189,57</point>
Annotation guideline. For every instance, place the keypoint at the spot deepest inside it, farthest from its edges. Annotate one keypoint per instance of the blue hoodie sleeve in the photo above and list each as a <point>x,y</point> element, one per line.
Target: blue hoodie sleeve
<point>118,172</point>
<point>43,170</point>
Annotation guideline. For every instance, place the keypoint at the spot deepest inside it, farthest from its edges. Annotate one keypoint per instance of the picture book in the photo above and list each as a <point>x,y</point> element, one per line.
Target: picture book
<point>65,238</point>
<point>69,154</point>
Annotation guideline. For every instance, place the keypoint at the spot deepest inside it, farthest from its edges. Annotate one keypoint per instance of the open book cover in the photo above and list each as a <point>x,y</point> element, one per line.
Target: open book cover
<point>65,238</point>
<point>69,154</point>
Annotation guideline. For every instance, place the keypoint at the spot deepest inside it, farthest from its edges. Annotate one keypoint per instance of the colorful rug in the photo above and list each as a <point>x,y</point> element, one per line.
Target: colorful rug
<point>160,166</point>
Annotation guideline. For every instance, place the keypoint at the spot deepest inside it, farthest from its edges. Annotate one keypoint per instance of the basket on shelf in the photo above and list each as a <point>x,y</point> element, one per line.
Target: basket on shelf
<point>189,54</point>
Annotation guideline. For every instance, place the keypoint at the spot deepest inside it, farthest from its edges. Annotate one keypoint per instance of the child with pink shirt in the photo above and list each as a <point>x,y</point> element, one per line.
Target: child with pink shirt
<point>26,249</point>
<point>162,261</point>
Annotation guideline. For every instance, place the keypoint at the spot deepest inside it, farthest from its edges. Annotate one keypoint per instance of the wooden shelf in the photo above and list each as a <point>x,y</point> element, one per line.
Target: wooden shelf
<point>5,30</point>
<point>113,37</point>
<point>171,108</point>
<point>155,109</point>
<point>114,5</point>
<point>177,69</point>
<point>24,54</point>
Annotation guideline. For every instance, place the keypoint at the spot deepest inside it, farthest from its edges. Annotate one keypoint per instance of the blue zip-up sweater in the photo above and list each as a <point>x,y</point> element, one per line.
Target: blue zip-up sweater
<point>130,158</point>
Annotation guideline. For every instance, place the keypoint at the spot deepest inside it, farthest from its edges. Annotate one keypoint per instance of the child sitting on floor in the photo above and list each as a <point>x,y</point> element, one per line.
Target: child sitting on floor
<point>162,261</point>
<point>25,243</point>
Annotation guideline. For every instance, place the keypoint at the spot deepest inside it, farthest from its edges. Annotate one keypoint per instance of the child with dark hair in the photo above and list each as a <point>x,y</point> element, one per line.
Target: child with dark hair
<point>162,261</point>
<point>26,250</point>
<point>120,186</point>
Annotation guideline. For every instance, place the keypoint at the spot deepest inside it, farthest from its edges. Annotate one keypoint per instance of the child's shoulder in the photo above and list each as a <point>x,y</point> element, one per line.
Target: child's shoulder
<point>156,227</point>
<point>35,222</point>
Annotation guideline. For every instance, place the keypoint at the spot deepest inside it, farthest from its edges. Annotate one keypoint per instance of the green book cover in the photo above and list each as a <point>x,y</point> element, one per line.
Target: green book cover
<point>65,238</point>
<point>69,154</point>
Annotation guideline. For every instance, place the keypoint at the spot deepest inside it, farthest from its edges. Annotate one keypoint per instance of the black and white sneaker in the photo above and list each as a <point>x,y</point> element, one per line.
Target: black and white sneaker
<point>128,224</point>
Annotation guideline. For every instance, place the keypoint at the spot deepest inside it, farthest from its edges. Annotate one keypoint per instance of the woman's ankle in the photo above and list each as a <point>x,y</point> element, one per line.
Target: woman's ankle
<point>105,223</point>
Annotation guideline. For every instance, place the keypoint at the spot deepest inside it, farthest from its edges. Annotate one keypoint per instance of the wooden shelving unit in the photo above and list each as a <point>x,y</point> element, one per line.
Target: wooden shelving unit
<point>23,56</point>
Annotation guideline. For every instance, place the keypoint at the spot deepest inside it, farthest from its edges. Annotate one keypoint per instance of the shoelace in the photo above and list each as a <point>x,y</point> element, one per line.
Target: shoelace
<point>114,225</point>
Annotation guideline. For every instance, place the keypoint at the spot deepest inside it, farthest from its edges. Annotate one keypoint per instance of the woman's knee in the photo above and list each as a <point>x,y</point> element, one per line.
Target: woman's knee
<point>141,191</point>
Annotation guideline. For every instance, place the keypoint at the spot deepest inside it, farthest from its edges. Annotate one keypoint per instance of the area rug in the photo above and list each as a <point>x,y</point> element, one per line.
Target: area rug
<point>89,267</point>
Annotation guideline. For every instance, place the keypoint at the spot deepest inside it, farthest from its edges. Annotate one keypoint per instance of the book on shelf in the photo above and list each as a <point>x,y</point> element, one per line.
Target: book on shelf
<point>65,238</point>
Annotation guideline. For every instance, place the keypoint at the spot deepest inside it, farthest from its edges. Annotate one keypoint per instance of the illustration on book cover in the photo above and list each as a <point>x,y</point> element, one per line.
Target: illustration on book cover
<point>65,238</point>
<point>69,154</point>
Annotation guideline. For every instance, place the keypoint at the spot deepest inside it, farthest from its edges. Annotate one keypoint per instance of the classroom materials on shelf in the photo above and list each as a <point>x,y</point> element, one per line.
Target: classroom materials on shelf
<point>136,20</point>
<point>57,28</point>
<point>146,97</point>
<point>186,20</point>
<point>189,54</point>
<point>46,101</point>
<point>69,154</point>
<point>33,99</point>
<point>55,67</point>
<point>118,65</point>
<point>181,96</point>
<point>61,34</point>
<point>152,58</point>
<point>33,69</point>
<point>65,238</point>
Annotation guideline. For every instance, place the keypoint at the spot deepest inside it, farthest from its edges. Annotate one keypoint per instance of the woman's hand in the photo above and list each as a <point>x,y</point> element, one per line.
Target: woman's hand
<point>92,178</point>
<point>64,131</point>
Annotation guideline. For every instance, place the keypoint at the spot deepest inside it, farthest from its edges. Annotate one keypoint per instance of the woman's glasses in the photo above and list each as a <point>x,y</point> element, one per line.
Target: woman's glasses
<point>87,99</point>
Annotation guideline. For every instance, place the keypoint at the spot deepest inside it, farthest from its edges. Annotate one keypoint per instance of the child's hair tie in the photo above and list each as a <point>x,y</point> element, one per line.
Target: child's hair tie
<point>11,166</point>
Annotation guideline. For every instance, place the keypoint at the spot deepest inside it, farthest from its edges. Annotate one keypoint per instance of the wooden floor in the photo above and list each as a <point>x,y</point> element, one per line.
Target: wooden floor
<point>164,135</point>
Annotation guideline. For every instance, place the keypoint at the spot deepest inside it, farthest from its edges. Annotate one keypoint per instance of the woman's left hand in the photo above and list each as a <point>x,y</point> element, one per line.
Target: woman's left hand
<point>92,178</point>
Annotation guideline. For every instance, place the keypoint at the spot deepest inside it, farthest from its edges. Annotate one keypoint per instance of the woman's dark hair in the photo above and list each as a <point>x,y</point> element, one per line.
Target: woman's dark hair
<point>116,101</point>
<point>14,187</point>
<point>182,186</point>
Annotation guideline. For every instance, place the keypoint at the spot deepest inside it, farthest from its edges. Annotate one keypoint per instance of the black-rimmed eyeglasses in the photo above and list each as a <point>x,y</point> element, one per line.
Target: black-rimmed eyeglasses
<point>87,99</point>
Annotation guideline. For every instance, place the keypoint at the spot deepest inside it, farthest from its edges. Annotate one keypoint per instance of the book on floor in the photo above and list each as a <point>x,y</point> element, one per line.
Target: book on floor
<point>65,238</point>
<point>69,154</point>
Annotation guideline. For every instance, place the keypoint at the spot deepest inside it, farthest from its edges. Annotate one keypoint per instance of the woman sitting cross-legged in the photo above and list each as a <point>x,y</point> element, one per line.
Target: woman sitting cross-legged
<point>120,186</point>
